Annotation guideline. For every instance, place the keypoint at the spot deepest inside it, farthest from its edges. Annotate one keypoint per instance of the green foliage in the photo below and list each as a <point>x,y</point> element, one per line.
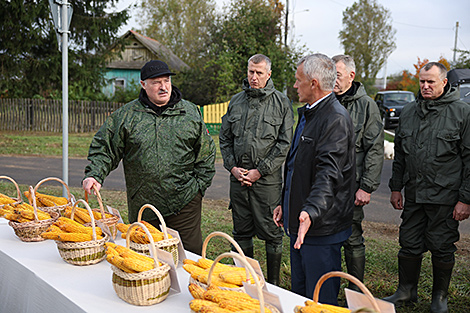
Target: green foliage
<point>128,94</point>
<point>31,62</point>
<point>182,26</point>
<point>464,59</point>
<point>367,36</point>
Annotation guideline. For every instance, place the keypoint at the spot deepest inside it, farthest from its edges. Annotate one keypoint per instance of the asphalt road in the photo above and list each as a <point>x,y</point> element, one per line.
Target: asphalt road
<point>30,170</point>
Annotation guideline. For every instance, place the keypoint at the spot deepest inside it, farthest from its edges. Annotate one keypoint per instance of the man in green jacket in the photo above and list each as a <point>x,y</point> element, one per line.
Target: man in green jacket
<point>167,154</point>
<point>254,140</point>
<point>432,163</point>
<point>368,129</point>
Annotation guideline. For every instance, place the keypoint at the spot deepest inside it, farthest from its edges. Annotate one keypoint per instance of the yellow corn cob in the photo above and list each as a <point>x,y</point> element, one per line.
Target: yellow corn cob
<point>117,261</point>
<point>24,206</point>
<point>55,229</point>
<point>213,309</point>
<point>111,251</point>
<point>193,269</point>
<point>137,256</point>
<point>97,215</point>
<point>235,277</point>
<point>235,306</point>
<point>82,215</point>
<point>30,214</point>
<point>73,237</point>
<point>197,304</point>
<point>189,261</point>
<point>122,227</point>
<point>72,226</point>
<point>216,281</point>
<point>110,244</point>
<point>44,202</point>
<point>196,291</point>
<point>15,217</point>
<point>5,199</point>
<point>137,265</point>
<point>311,306</point>
<point>56,200</point>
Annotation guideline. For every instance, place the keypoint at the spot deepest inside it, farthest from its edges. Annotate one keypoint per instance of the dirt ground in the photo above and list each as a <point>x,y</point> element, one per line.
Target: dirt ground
<point>388,231</point>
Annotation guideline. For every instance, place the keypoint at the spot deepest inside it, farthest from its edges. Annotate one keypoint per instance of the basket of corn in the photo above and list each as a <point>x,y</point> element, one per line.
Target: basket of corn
<point>225,276</point>
<point>313,306</point>
<point>139,241</point>
<point>27,220</point>
<point>49,202</point>
<point>214,299</point>
<point>78,244</point>
<point>138,279</point>
<point>4,199</point>
<point>106,218</point>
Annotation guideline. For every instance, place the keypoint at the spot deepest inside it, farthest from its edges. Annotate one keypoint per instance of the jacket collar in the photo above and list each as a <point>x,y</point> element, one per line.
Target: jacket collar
<point>258,93</point>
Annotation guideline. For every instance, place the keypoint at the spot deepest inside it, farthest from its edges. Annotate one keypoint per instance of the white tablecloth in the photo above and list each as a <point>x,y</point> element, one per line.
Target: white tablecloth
<point>34,278</point>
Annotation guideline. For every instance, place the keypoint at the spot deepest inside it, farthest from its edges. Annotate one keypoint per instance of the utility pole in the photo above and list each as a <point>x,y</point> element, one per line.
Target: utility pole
<point>455,42</point>
<point>287,24</point>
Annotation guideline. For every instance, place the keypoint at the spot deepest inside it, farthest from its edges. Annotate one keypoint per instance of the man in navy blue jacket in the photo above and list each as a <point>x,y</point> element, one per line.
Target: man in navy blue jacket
<point>318,196</point>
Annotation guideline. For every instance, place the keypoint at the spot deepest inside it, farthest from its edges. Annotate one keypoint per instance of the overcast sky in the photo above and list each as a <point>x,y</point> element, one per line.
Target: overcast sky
<point>425,28</point>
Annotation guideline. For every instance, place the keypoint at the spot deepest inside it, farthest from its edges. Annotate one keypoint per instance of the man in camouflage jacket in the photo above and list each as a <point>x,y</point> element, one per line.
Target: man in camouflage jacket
<point>368,129</point>
<point>167,154</point>
<point>254,139</point>
<point>432,164</point>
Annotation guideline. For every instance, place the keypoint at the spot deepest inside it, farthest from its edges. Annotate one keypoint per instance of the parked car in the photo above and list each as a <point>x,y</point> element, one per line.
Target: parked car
<point>460,78</point>
<point>390,103</point>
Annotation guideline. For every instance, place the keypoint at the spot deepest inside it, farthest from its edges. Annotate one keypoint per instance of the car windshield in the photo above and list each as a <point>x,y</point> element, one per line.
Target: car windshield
<point>399,97</point>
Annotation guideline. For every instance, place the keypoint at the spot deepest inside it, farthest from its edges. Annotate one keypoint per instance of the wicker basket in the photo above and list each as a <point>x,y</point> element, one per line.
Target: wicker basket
<point>86,252</point>
<point>167,244</point>
<point>145,288</point>
<point>249,270</point>
<point>31,231</point>
<point>111,222</point>
<point>357,282</point>
<point>239,250</point>
<point>58,208</point>
<point>18,199</point>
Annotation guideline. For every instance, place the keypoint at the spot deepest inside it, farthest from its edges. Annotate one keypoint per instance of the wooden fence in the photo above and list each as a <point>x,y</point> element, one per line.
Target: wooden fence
<point>46,115</point>
<point>84,116</point>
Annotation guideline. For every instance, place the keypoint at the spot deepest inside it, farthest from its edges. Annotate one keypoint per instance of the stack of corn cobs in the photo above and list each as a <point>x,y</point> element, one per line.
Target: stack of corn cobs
<point>138,235</point>
<point>43,200</point>
<point>216,300</point>
<point>65,229</point>
<point>82,216</point>
<point>222,275</point>
<point>128,260</point>
<point>20,213</point>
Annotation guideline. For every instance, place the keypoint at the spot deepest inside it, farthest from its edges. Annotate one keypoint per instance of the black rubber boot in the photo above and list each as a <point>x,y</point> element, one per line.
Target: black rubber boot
<point>273,262</point>
<point>409,269</point>
<point>247,247</point>
<point>355,267</point>
<point>442,272</point>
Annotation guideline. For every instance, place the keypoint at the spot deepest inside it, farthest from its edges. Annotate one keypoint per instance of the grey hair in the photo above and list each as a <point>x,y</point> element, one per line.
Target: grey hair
<point>258,58</point>
<point>347,60</point>
<point>320,67</point>
<point>440,66</point>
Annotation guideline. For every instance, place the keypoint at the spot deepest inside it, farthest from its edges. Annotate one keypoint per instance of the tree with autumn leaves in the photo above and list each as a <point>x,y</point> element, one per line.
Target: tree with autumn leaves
<point>409,81</point>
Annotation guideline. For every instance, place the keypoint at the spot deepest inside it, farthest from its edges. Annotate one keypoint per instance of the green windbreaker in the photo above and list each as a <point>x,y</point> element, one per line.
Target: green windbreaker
<point>256,131</point>
<point>432,150</point>
<point>167,159</point>
<point>368,129</point>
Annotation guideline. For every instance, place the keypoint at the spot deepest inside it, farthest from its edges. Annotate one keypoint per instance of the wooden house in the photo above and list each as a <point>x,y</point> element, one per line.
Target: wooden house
<point>124,69</point>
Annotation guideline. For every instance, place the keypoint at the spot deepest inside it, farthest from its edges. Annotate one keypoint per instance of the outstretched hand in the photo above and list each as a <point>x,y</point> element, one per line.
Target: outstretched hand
<point>304,226</point>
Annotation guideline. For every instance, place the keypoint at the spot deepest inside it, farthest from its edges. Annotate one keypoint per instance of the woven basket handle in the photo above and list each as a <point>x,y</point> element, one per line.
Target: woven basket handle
<point>224,235</point>
<point>16,185</point>
<point>100,201</point>
<point>357,282</point>
<point>69,196</point>
<point>34,204</point>
<point>248,267</point>
<point>152,248</point>
<point>89,212</point>
<point>159,215</point>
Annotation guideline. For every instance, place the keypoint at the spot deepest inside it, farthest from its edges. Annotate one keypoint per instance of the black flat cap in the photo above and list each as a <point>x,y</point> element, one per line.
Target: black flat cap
<point>154,68</point>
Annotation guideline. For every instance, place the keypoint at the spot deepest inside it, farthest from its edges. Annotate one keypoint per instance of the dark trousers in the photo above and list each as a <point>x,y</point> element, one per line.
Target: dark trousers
<point>309,263</point>
<point>428,227</point>
<point>354,247</point>
<point>188,224</point>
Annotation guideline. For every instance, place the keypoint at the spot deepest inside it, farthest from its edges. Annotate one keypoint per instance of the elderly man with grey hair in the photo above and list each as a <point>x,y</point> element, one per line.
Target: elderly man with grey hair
<point>368,128</point>
<point>319,181</point>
